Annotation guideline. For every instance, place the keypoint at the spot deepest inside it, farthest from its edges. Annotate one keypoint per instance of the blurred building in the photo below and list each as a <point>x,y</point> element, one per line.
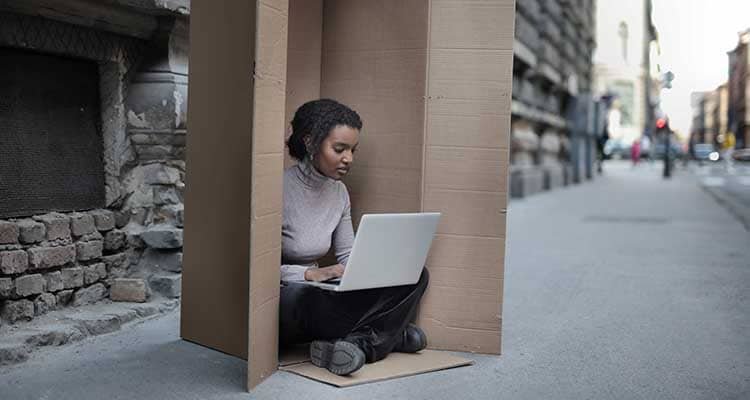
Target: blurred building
<point>697,127</point>
<point>710,115</point>
<point>623,70</point>
<point>739,91</point>
<point>552,109</point>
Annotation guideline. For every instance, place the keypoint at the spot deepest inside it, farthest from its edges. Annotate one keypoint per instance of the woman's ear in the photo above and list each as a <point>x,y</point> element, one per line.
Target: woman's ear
<point>308,143</point>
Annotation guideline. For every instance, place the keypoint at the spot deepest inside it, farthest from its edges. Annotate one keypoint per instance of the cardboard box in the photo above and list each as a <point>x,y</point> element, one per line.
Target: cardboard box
<point>432,82</point>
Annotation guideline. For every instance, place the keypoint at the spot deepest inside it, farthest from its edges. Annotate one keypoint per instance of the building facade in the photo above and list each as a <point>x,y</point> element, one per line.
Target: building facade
<point>552,108</point>
<point>738,117</point>
<point>625,71</point>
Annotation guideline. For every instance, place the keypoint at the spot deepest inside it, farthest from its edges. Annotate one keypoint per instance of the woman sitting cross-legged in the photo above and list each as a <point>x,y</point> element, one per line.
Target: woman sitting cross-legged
<point>346,329</point>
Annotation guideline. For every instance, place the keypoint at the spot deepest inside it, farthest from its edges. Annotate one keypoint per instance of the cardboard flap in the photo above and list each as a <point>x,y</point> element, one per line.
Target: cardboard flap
<point>396,365</point>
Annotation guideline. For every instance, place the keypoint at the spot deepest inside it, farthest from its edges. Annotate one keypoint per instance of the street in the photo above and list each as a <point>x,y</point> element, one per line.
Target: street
<point>730,185</point>
<point>625,287</point>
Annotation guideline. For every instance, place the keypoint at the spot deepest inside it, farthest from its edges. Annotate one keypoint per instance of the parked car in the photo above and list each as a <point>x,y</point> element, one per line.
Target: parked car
<point>616,148</point>
<point>675,150</point>
<point>705,152</point>
<point>741,155</point>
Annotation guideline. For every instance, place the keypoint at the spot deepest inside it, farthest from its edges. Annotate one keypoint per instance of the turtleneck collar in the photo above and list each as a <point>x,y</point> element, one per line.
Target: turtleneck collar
<point>309,176</point>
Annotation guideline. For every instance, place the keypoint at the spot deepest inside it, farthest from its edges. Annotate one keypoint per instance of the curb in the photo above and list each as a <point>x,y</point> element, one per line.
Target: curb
<point>735,207</point>
<point>67,326</point>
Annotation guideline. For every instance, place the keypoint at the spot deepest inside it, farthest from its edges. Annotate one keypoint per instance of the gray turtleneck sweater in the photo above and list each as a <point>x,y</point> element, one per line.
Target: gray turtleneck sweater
<point>317,213</point>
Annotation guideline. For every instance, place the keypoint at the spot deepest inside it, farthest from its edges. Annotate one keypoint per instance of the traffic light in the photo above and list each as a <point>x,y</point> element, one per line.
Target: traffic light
<point>661,123</point>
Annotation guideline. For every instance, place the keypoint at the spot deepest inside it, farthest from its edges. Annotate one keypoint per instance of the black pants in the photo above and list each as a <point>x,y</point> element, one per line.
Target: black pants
<point>373,319</point>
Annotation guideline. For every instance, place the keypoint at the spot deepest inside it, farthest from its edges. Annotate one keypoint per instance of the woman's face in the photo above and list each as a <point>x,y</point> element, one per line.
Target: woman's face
<point>336,153</point>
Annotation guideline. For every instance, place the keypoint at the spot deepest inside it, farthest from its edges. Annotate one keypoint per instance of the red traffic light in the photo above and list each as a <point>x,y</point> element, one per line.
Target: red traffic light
<point>661,123</point>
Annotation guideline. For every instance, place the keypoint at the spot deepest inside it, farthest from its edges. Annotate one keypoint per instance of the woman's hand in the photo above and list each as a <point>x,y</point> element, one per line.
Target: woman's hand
<point>324,273</point>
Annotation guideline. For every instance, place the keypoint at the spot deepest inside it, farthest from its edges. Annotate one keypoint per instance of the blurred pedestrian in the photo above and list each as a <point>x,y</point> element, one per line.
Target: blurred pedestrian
<point>727,147</point>
<point>635,152</point>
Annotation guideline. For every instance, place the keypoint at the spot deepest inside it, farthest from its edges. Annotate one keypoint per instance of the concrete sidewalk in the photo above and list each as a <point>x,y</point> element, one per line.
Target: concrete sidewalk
<point>626,287</point>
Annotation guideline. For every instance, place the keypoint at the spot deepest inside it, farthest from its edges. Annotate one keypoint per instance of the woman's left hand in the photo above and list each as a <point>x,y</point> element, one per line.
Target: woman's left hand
<point>324,273</point>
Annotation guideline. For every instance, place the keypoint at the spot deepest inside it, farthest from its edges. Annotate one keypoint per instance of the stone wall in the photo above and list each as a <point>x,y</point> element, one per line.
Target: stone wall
<point>55,260</point>
<point>133,247</point>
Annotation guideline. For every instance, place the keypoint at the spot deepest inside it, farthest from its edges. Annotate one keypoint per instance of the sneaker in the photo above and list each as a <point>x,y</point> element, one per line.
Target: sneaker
<point>339,357</point>
<point>412,340</point>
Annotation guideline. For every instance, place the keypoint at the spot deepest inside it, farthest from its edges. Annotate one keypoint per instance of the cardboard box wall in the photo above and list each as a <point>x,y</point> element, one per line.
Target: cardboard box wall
<point>431,80</point>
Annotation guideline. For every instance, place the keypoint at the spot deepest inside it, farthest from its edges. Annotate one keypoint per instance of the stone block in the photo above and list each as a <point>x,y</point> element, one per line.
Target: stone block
<point>56,224</point>
<point>114,240</point>
<point>167,285</point>
<point>165,195</point>
<point>72,277</point>
<point>134,240</point>
<point>116,261</point>
<point>89,295</point>
<point>14,261</point>
<point>526,181</point>
<point>101,269</point>
<point>170,214</point>
<point>31,231</point>
<point>46,257</point>
<point>90,275</point>
<point>162,237</point>
<point>29,284</point>
<point>94,273</point>
<point>81,224</point>
<point>553,177</point>
<point>6,288</point>
<point>167,260</point>
<point>54,281</point>
<point>8,232</point>
<point>160,174</point>
<point>89,250</point>
<point>131,290</point>
<point>121,219</point>
<point>14,311</point>
<point>104,219</point>
<point>64,297</point>
<point>91,237</point>
<point>44,303</point>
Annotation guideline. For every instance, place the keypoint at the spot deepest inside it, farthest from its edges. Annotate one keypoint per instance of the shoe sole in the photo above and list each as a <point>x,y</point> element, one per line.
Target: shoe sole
<point>341,358</point>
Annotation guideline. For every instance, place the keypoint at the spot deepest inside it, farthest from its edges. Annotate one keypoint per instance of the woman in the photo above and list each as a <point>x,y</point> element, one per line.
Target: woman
<point>347,329</point>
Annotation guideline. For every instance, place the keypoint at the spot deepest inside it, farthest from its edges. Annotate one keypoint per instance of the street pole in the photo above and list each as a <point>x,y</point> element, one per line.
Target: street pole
<point>667,163</point>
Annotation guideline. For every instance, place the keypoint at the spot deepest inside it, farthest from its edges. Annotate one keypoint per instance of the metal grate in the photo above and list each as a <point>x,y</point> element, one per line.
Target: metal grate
<point>49,36</point>
<point>50,141</point>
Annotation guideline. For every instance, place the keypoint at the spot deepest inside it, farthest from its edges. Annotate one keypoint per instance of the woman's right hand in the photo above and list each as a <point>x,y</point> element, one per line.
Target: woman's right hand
<point>324,273</point>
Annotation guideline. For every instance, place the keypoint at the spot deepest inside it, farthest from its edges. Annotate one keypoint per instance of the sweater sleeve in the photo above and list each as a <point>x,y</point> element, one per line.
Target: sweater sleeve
<point>291,272</point>
<point>343,235</point>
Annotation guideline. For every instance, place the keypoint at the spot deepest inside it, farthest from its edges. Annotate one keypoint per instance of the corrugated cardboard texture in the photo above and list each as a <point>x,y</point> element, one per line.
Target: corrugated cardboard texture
<point>465,171</point>
<point>217,199</point>
<point>396,365</point>
<point>266,202</point>
<point>304,56</point>
<point>374,60</point>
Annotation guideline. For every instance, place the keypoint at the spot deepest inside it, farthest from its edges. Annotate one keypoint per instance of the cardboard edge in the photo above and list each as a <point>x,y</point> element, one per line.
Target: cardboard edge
<point>290,368</point>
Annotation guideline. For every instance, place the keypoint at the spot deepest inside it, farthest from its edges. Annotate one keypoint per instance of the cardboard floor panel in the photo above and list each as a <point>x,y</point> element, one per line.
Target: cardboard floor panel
<point>396,365</point>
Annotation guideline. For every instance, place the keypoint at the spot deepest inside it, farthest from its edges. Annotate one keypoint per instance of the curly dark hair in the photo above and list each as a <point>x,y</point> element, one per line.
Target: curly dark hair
<point>317,118</point>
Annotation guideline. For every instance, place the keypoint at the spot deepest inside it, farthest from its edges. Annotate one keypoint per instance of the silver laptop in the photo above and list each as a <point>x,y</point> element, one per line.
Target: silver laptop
<point>388,250</point>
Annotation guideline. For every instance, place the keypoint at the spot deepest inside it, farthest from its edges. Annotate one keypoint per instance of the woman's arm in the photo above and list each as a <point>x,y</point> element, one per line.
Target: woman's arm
<point>343,235</point>
<point>291,272</point>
